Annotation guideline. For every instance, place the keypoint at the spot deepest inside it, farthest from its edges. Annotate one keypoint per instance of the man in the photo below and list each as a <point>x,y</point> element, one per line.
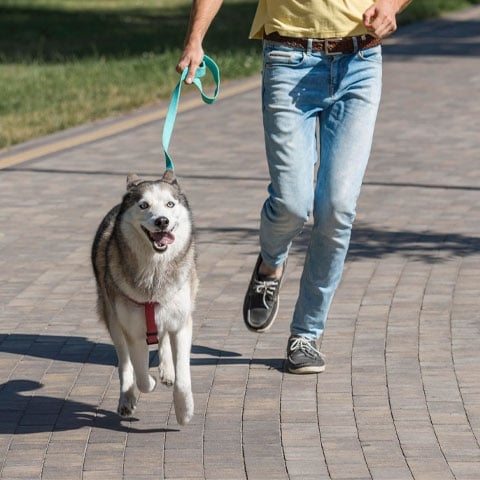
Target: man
<point>321,76</point>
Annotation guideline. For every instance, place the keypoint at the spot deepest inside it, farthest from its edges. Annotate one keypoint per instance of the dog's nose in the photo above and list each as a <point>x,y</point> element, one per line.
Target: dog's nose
<point>162,222</point>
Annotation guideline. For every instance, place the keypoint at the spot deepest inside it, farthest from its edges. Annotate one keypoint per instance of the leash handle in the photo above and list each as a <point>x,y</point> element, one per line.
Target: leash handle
<point>207,63</point>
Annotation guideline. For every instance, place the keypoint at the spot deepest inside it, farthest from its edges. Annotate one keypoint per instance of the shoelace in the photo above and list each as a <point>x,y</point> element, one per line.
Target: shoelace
<point>306,347</point>
<point>266,288</point>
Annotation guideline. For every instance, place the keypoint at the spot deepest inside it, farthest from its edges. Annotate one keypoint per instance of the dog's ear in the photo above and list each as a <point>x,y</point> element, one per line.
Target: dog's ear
<point>133,180</point>
<point>169,177</point>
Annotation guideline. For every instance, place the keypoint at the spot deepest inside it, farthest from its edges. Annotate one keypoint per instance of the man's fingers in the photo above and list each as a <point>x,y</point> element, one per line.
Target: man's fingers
<point>182,65</point>
<point>368,17</point>
<point>379,22</point>
<point>191,62</point>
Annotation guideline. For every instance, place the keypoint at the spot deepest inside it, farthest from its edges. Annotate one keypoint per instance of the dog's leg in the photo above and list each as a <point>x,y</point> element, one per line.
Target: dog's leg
<point>181,342</point>
<point>165,367</point>
<point>139,356</point>
<point>128,396</point>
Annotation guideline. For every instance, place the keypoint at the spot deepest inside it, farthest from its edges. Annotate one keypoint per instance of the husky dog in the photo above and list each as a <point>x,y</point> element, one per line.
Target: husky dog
<point>144,254</point>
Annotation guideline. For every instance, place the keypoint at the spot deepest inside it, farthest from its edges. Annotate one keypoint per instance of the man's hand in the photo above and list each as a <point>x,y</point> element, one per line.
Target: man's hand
<point>380,18</point>
<point>191,58</point>
<point>202,14</point>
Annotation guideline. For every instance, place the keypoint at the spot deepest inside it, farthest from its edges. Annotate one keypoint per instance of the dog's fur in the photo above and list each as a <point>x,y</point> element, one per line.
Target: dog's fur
<point>144,251</point>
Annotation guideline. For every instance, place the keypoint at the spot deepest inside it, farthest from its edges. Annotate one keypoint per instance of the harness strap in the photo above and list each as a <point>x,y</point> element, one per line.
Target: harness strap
<point>207,63</point>
<point>152,333</point>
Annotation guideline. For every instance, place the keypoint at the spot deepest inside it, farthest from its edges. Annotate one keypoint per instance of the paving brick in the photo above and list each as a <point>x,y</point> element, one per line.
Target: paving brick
<point>400,395</point>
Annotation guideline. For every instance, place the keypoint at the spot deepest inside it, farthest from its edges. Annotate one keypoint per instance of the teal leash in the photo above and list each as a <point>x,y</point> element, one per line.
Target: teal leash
<point>207,63</point>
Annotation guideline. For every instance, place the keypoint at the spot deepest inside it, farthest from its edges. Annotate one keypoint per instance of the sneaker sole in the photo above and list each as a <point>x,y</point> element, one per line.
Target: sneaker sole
<point>266,327</point>
<point>304,370</point>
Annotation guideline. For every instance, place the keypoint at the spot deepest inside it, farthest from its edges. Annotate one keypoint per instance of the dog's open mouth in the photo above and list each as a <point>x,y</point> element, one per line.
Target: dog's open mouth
<point>160,240</point>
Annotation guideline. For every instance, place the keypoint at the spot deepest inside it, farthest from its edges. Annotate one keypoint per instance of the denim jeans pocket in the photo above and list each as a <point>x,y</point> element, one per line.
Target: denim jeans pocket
<point>278,57</point>
<point>371,54</point>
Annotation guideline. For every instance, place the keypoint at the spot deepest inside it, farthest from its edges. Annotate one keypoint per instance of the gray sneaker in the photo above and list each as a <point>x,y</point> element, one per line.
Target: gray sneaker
<point>303,356</point>
<point>260,307</point>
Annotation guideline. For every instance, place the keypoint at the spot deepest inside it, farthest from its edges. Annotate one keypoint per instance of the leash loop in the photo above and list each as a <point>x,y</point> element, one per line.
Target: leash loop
<point>207,64</point>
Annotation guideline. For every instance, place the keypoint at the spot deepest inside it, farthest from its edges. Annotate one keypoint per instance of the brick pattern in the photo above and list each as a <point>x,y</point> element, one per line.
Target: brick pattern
<point>400,398</point>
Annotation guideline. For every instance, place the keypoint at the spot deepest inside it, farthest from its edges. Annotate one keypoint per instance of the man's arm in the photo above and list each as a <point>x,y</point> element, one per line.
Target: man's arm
<point>380,18</point>
<point>201,16</point>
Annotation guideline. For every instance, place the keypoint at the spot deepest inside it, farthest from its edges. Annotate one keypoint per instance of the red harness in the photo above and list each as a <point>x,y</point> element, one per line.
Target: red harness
<point>152,333</point>
<point>151,326</point>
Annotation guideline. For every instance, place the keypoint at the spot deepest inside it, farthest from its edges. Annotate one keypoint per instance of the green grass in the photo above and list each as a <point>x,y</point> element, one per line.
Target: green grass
<point>424,9</point>
<point>66,62</point>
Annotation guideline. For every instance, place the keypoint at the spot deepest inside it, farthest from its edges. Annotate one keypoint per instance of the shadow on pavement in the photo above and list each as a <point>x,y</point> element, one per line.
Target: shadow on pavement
<point>427,247</point>
<point>459,38</point>
<point>81,350</point>
<point>33,413</point>
<point>25,413</point>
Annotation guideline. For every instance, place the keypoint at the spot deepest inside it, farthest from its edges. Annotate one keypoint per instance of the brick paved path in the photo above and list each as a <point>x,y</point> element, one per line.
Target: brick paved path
<point>400,398</point>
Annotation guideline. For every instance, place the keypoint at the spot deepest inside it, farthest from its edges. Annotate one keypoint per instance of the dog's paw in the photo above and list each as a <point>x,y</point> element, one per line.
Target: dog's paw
<point>183,403</point>
<point>127,404</point>
<point>167,374</point>
<point>148,385</point>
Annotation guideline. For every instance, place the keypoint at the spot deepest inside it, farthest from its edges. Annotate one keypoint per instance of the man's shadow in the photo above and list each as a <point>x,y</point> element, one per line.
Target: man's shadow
<point>81,350</point>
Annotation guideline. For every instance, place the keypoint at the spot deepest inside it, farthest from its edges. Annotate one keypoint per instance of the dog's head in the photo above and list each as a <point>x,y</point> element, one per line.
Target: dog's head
<point>158,209</point>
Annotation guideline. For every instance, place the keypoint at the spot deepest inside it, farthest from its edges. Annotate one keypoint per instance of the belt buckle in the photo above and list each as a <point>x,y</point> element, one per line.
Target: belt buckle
<point>327,52</point>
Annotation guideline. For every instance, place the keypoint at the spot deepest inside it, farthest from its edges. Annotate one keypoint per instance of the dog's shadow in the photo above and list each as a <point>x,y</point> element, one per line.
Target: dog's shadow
<point>33,413</point>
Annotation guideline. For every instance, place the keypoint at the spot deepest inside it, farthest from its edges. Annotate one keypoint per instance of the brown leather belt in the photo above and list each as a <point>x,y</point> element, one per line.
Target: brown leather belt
<point>330,46</point>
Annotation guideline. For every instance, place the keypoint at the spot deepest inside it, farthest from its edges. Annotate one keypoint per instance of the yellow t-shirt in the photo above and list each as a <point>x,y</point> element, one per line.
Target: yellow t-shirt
<point>310,18</point>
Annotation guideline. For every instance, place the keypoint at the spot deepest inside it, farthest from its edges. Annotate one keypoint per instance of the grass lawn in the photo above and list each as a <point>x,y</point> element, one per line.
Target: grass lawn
<point>66,62</point>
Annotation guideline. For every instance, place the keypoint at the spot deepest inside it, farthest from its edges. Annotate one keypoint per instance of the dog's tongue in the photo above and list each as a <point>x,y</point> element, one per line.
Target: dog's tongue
<point>164,238</point>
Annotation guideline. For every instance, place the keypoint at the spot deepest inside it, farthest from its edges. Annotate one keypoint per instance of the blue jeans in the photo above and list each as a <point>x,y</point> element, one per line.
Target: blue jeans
<point>316,107</point>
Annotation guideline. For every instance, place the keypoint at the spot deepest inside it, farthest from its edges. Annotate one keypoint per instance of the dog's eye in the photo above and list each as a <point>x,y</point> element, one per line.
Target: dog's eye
<point>170,204</point>
<point>143,205</point>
